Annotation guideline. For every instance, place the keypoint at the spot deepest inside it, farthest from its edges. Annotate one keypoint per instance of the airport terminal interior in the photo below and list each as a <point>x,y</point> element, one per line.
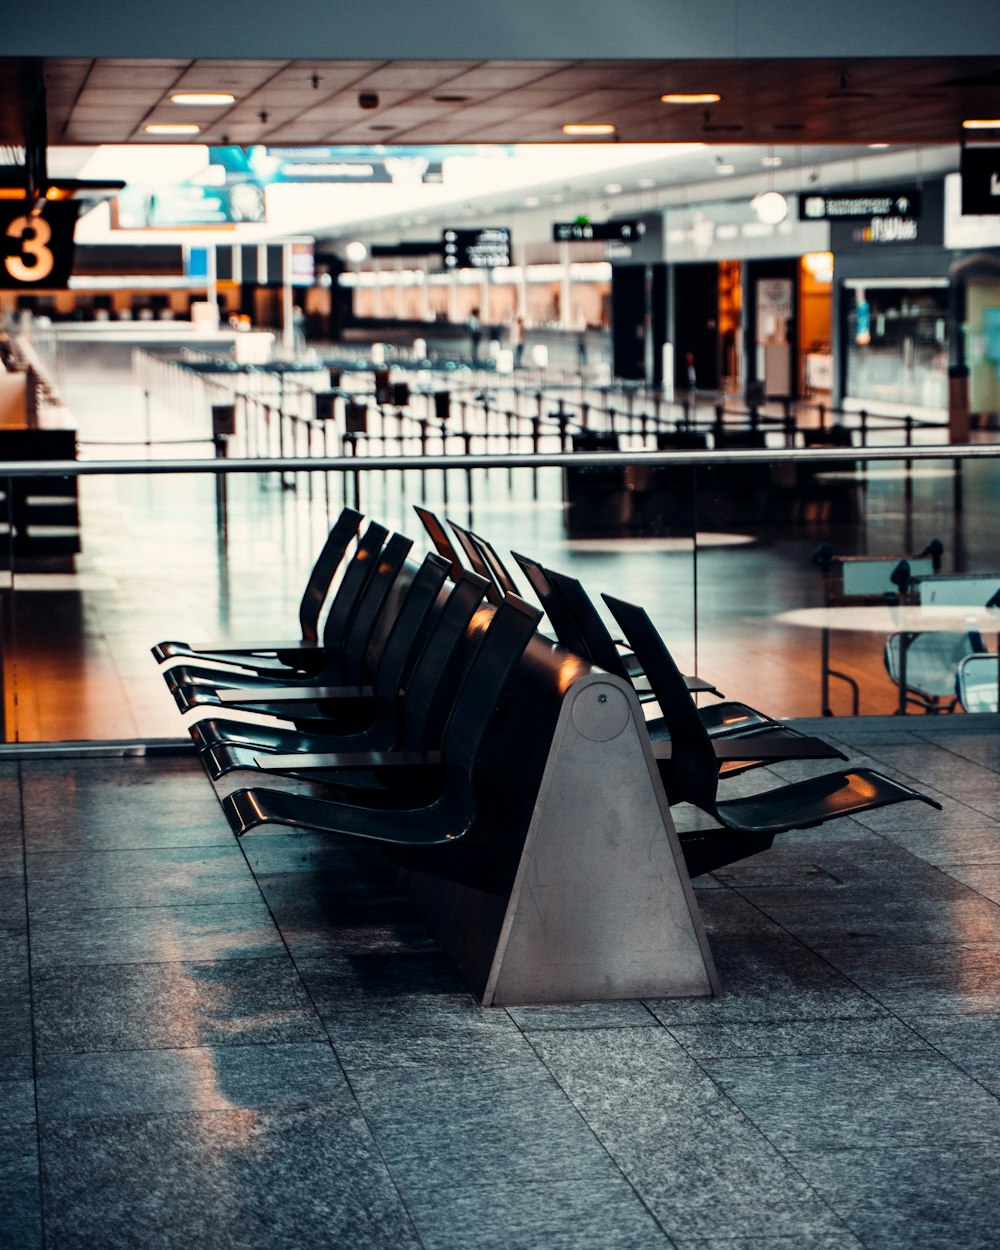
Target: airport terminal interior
<point>603,848</point>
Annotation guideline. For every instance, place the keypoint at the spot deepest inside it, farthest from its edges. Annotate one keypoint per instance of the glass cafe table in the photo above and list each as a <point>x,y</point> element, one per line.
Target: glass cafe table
<point>908,620</point>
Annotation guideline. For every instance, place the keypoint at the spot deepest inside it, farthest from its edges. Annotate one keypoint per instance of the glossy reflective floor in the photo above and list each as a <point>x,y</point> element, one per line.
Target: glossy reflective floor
<point>155,564</point>
<point>208,1043</point>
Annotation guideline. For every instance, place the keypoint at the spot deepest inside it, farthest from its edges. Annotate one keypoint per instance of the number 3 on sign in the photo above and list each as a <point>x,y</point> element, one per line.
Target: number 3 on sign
<point>34,233</point>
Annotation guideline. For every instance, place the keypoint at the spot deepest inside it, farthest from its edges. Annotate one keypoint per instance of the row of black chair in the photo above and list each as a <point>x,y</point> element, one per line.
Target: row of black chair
<point>386,720</point>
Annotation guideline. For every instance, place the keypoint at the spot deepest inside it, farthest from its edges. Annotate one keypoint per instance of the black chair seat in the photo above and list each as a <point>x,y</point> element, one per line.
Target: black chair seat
<point>451,815</point>
<point>691,773</point>
<point>346,636</point>
<point>426,661</point>
<point>803,804</point>
<point>247,655</point>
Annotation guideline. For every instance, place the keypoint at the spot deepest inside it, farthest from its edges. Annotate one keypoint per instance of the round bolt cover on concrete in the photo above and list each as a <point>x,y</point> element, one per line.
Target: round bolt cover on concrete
<point>600,712</point>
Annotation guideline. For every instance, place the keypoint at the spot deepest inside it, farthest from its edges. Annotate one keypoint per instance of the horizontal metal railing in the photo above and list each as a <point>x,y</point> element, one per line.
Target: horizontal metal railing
<point>497,460</point>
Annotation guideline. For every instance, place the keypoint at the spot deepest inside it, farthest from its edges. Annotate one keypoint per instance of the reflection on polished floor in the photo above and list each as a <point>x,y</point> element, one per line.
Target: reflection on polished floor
<point>217,1044</point>
<point>155,565</point>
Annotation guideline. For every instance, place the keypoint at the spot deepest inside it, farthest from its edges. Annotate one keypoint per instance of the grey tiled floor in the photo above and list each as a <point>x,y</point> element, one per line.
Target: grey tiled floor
<point>256,1045</point>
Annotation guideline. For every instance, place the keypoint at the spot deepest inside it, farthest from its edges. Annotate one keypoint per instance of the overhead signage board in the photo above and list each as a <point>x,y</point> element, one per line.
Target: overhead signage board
<point>36,252</point>
<point>407,247</point>
<point>597,231</point>
<point>881,231</point>
<point>404,166</point>
<point>859,205</point>
<point>141,207</point>
<point>731,230</point>
<point>485,248</point>
<point>980,168</point>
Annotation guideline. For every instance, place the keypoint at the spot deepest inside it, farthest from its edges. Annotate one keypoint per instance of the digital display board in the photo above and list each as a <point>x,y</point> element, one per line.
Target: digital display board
<point>858,205</point>
<point>980,181</point>
<point>485,248</point>
<point>597,231</point>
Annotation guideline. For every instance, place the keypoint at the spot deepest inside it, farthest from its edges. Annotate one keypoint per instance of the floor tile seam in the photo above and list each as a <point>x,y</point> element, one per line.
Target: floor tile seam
<point>956,1064</point>
<point>887,837</point>
<point>39,1153</point>
<point>784,1019</point>
<point>118,852</point>
<point>174,1047</point>
<point>604,1027</point>
<point>744,1116</point>
<point>51,1123</point>
<point>345,1074</point>
<point>868,994</point>
<point>602,1144</point>
<point>43,911</point>
<point>170,963</point>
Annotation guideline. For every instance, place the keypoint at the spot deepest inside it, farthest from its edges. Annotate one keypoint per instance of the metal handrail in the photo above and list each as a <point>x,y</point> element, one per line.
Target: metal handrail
<point>498,460</point>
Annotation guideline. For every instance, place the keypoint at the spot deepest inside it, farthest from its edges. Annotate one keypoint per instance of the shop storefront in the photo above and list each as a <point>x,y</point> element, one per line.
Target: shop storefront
<point>749,299</point>
<point>892,317</point>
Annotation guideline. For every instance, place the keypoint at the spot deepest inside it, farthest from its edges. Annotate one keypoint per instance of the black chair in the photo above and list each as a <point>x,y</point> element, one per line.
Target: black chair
<point>442,543</point>
<point>691,771</point>
<point>499,571</point>
<point>560,618</point>
<point>722,720</point>
<point>268,656</point>
<point>407,695</point>
<point>349,632</point>
<point>601,648</point>
<point>363,721</point>
<point>450,815</point>
<point>477,562</point>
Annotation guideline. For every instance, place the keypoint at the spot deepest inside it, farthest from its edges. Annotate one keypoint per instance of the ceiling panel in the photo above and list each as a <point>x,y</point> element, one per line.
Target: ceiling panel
<point>890,100</point>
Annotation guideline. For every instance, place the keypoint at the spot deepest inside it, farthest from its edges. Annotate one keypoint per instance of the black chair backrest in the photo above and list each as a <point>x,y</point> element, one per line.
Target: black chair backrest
<point>408,627</point>
<point>371,604</point>
<point>352,586</point>
<point>600,645</point>
<point>429,689</point>
<point>503,642</point>
<point>327,562</point>
<point>476,562</point>
<point>498,569</point>
<point>442,543</point>
<point>565,628</point>
<point>694,770</point>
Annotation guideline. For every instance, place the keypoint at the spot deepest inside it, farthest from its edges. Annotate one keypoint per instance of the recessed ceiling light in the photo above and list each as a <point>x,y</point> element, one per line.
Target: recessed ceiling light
<point>588,128</point>
<point>877,147</point>
<point>532,201</point>
<point>724,168</point>
<point>211,98</point>
<point>981,123</point>
<point>691,97</point>
<point>612,188</point>
<point>172,128</point>
<point>646,183</point>
<point>770,162</point>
